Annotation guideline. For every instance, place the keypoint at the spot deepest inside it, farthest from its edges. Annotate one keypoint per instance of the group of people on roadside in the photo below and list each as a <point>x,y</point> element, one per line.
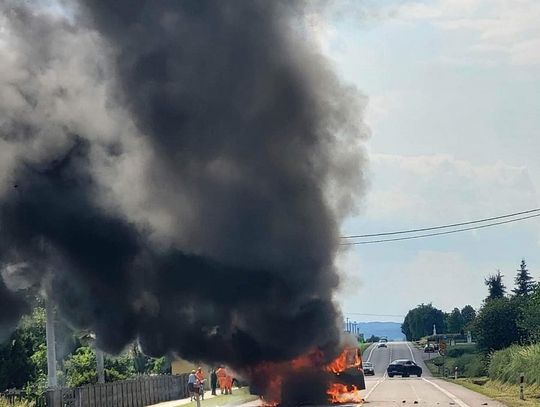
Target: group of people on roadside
<point>218,377</point>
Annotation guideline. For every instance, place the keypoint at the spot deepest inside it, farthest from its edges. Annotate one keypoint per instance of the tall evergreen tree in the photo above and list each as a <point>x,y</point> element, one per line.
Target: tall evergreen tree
<point>523,281</point>
<point>496,287</point>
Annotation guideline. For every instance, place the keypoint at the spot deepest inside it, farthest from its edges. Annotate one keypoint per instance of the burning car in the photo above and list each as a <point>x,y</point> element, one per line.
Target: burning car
<point>306,380</point>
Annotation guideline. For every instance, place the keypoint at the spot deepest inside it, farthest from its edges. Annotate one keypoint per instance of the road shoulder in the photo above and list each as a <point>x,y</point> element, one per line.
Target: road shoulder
<point>503,393</point>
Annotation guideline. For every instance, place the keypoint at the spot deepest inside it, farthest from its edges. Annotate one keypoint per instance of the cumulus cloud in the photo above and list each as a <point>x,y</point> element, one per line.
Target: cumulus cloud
<point>500,28</point>
<point>433,187</point>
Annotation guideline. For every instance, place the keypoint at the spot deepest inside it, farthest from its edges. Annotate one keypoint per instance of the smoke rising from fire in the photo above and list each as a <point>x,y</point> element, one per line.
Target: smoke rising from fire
<point>175,173</point>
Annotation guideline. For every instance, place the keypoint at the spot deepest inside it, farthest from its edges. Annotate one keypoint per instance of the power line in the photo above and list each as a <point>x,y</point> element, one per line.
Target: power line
<point>439,233</point>
<point>442,226</point>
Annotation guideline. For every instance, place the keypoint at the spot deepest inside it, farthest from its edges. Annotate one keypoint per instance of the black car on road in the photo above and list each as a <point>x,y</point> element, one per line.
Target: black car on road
<point>403,368</point>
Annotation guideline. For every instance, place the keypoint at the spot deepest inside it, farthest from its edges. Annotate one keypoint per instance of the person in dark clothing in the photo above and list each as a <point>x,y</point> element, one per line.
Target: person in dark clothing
<point>213,381</point>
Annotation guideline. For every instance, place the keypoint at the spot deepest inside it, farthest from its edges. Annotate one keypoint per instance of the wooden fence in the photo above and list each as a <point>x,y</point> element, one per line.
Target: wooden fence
<point>139,392</point>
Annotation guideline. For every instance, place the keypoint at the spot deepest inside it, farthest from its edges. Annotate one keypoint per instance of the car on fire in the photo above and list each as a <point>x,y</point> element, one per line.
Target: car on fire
<point>403,368</point>
<point>369,369</point>
<point>335,382</point>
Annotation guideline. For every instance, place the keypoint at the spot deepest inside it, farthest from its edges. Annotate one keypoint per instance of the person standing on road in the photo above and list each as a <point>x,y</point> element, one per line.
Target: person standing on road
<point>213,381</point>
<point>192,380</point>
<point>228,383</point>
<point>200,381</point>
<point>222,378</point>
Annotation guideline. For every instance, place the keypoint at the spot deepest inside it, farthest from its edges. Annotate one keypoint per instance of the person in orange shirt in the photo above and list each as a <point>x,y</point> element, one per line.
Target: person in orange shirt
<point>222,379</point>
<point>228,383</point>
<point>200,379</point>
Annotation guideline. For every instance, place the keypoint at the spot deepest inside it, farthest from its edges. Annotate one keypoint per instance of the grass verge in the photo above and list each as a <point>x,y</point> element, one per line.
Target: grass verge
<point>4,403</point>
<point>364,346</point>
<point>239,396</point>
<point>505,393</point>
<point>466,358</point>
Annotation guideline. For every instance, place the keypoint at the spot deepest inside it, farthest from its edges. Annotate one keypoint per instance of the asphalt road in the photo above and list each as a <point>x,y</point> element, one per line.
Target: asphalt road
<point>382,390</point>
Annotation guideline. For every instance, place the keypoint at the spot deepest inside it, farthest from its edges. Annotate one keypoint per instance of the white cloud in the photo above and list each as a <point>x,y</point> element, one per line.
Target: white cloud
<point>433,187</point>
<point>444,278</point>
<point>506,28</point>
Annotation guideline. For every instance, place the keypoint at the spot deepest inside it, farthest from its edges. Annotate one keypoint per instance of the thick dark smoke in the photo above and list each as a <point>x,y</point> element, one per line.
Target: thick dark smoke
<point>174,172</point>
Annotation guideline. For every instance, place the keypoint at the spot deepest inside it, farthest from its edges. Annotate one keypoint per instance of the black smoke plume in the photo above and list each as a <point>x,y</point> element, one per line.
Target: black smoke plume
<point>174,172</point>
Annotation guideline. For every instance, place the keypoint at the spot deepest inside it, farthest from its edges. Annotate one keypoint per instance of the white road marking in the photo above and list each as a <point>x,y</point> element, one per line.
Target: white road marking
<point>370,353</point>
<point>382,379</point>
<point>410,350</point>
<point>447,393</point>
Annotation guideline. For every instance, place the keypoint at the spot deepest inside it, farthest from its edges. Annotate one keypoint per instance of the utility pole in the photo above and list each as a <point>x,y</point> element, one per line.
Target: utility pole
<point>51,346</point>
<point>100,366</point>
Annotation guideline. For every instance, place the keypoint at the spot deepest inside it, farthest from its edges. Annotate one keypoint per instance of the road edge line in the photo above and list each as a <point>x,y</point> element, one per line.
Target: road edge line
<point>410,350</point>
<point>371,352</point>
<point>447,393</point>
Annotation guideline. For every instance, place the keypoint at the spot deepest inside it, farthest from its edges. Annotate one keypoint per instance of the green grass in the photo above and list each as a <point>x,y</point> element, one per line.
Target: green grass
<point>364,346</point>
<point>4,403</point>
<point>505,393</point>
<point>465,357</point>
<point>239,396</point>
<point>504,369</point>
<point>507,364</point>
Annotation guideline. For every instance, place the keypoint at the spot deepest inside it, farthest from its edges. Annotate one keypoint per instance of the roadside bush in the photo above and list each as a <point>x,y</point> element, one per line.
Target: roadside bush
<point>507,364</point>
<point>470,365</point>
<point>455,352</point>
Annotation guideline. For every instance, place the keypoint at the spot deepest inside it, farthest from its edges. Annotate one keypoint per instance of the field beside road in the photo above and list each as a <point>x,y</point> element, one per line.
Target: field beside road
<point>469,361</point>
<point>497,376</point>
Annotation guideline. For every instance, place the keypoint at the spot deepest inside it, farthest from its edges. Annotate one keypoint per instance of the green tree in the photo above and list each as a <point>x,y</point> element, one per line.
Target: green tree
<point>496,325</point>
<point>530,319</point>
<point>524,283</point>
<point>496,287</point>
<point>80,367</point>
<point>455,321</point>
<point>468,314</point>
<point>420,320</point>
<point>17,362</point>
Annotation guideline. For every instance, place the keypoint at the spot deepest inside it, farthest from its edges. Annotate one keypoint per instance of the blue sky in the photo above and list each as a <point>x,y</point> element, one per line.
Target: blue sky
<point>454,111</point>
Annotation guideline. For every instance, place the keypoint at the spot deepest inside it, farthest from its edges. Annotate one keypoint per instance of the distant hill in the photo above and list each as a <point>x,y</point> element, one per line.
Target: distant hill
<point>392,330</point>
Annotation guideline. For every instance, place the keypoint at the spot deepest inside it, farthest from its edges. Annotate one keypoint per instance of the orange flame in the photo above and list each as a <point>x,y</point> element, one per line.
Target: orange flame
<point>348,358</point>
<point>339,393</point>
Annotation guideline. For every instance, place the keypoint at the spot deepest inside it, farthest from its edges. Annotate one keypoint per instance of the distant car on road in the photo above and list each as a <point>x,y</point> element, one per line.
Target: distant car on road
<point>382,345</point>
<point>403,368</point>
<point>368,369</point>
<point>429,348</point>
